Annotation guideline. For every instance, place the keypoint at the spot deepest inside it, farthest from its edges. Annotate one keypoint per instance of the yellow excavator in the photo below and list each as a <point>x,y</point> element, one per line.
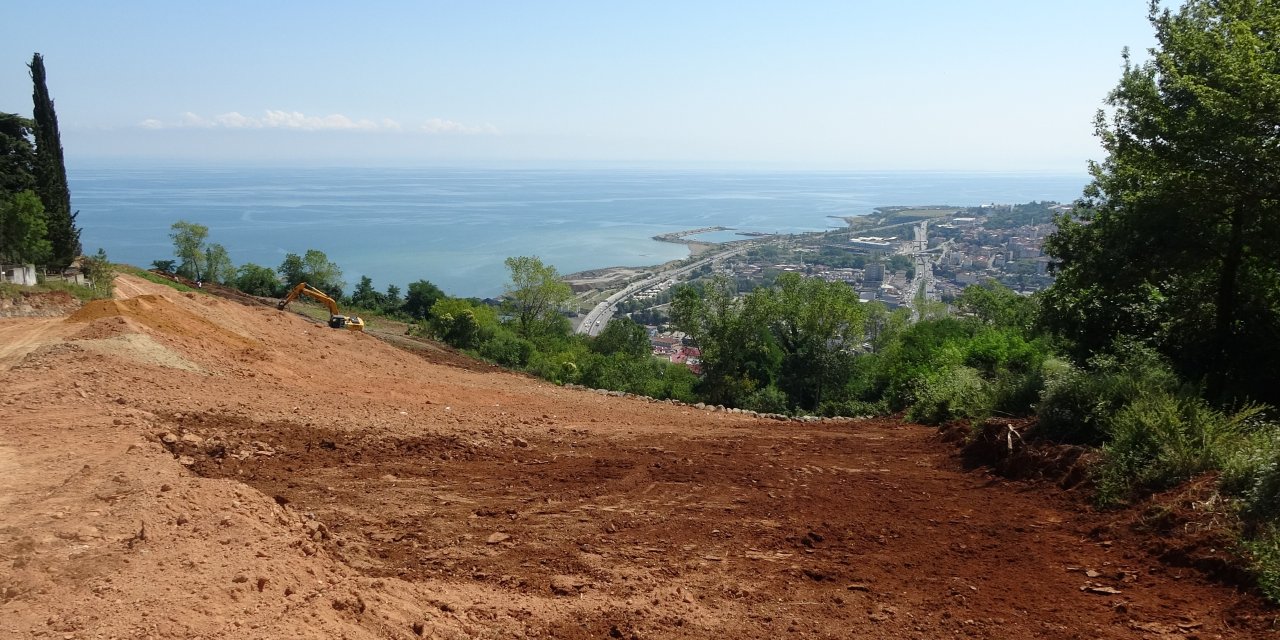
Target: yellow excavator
<point>336,320</point>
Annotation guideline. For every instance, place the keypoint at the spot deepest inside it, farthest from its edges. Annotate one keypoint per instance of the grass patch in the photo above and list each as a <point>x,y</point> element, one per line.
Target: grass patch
<point>79,292</point>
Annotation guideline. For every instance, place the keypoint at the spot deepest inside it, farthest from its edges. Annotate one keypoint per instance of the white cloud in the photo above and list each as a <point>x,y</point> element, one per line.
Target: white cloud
<point>298,121</point>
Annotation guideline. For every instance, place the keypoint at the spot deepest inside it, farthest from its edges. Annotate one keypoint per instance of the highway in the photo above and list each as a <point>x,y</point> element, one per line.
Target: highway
<point>598,318</point>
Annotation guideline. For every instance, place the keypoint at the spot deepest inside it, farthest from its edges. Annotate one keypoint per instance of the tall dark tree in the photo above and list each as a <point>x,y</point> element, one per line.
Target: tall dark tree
<point>1177,241</point>
<point>51,173</point>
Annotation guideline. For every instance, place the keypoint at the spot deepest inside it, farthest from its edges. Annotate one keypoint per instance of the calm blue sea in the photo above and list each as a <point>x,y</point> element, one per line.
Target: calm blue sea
<point>455,227</point>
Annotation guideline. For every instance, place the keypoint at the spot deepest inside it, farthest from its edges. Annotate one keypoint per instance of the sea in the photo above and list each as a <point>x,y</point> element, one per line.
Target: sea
<point>455,226</point>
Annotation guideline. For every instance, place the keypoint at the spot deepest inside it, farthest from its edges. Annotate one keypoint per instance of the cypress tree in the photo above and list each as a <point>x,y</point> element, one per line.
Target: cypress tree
<point>51,173</point>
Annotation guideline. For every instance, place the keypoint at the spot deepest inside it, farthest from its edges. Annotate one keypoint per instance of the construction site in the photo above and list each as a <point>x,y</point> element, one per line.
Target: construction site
<point>180,465</point>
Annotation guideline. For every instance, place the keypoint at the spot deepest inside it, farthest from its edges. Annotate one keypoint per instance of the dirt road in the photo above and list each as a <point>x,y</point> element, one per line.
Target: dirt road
<point>298,482</point>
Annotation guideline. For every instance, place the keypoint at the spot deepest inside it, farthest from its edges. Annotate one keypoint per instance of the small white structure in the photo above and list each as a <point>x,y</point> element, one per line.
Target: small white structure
<point>23,274</point>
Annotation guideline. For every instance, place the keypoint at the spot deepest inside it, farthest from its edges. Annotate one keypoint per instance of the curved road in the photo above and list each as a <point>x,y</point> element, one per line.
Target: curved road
<point>598,318</point>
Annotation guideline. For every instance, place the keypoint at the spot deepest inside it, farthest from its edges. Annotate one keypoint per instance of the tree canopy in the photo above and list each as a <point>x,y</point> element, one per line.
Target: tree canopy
<point>189,248</point>
<point>1177,240</point>
<point>535,295</point>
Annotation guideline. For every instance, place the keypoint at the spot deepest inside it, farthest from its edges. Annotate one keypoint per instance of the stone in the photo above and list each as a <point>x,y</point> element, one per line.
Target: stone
<point>566,585</point>
<point>498,537</point>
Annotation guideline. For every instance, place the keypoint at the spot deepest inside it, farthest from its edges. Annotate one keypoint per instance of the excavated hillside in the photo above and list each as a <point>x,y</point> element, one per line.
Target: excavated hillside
<point>183,466</point>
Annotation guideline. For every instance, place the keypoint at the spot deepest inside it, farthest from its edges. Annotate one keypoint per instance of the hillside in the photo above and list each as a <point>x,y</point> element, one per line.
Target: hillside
<point>181,466</point>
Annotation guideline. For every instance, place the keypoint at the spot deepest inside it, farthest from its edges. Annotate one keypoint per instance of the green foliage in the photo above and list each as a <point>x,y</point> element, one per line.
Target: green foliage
<point>165,266</point>
<point>507,349</point>
<point>535,296</point>
<point>189,248</point>
<point>739,355</point>
<point>51,173</point>
<point>313,268</point>
<point>17,154</point>
<point>101,273</point>
<point>218,266</point>
<point>624,336</point>
<point>1178,238</point>
<point>1077,404</point>
<point>1264,555</point>
<point>996,305</point>
<point>767,400</point>
<point>956,392</point>
<point>257,280</point>
<point>365,296</point>
<point>1008,217</point>
<point>461,324</point>
<point>421,297</point>
<point>22,229</point>
<point>1160,439</point>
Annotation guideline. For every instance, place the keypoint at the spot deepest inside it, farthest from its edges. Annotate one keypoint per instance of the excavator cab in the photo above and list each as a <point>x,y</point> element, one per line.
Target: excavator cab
<point>336,320</point>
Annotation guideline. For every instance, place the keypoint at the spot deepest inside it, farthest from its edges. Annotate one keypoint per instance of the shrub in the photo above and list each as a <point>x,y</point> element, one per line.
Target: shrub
<point>1252,473</point>
<point>1077,403</point>
<point>1264,557</point>
<point>949,394</point>
<point>1162,438</point>
<point>507,349</point>
<point>769,399</point>
<point>852,408</point>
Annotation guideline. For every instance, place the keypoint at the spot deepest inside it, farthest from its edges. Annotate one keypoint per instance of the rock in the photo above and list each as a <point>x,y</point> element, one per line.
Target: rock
<point>191,439</point>
<point>520,442</point>
<point>169,438</point>
<point>166,487</point>
<point>497,537</point>
<point>419,628</point>
<point>186,461</point>
<point>566,585</point>
<point>240,578</point>
<point>183,518</point>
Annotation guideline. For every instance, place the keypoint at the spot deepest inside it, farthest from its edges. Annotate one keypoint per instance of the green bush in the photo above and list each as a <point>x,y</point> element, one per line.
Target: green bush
<point>507,349</point>
<point>953,393</point>
<point>1263,551</point>
<point>1252,473</point>
<point>1078,403</point>
<point>1162,438</point>
<point>852,408</point>
<point>769,399</point>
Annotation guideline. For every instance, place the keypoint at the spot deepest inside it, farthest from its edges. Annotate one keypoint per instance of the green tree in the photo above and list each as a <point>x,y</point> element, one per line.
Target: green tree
<point>365,296</point>
<point>22,231</point>
<point>996,305</point>
<point>739,355</point>
<point>818,326</point>
<point>257,280</point>
<point>462,324</point>
<point>624,336</point>
<point>535,296</point>
<point>1177,240</point>
<point>422,295</point>
<point>51,173</point>
<point>188,247</point>
<point>101,273</point>
<point>313,268</point>
<point>392,299</point>
<point>218,265</point>
<point>165,266</point>
<point>17,155</point>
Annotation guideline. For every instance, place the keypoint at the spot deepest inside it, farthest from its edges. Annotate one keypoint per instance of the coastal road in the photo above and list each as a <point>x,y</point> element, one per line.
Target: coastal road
<point>598,318</point>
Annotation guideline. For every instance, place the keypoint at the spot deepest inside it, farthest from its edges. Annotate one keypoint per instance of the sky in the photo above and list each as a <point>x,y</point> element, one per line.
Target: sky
<point>983,85</point>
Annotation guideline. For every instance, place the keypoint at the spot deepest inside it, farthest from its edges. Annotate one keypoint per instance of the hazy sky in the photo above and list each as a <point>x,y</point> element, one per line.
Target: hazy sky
<point>891,84</point>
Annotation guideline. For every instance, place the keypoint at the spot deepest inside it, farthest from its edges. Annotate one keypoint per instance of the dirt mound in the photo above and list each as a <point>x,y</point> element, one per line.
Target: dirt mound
<point>161,314</point>
<point>323,484</point>
<point>1009,447</point>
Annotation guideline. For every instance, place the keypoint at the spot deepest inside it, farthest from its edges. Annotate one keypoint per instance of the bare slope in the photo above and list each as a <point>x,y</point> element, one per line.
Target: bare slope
<point>177,466</point>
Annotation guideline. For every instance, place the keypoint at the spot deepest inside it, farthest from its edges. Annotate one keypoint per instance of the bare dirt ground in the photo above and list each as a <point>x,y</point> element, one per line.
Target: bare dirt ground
<point>181,466</point>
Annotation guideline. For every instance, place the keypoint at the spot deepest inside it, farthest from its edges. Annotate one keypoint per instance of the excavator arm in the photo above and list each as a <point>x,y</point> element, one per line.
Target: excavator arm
<point>336,320</point>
